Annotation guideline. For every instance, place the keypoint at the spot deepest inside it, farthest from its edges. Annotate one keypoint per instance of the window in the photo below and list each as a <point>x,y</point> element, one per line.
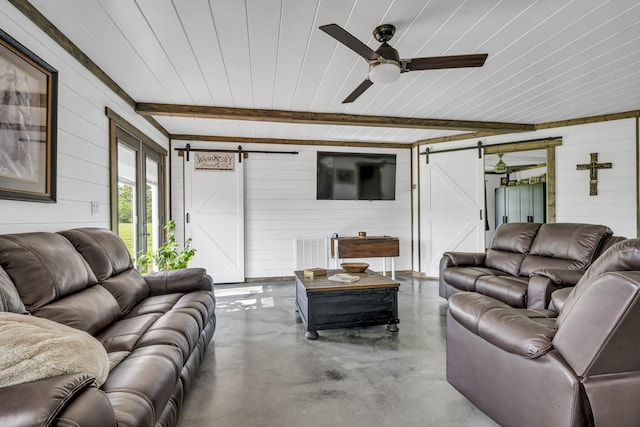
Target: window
<point>137,164</point>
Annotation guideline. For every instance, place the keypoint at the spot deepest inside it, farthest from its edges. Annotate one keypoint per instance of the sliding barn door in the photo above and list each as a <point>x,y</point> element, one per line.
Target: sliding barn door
<point>452,208</point>
<point>214,206</point>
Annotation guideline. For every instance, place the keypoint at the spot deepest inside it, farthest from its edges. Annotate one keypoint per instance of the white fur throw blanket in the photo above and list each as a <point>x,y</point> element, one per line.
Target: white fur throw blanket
<point>33,348</point>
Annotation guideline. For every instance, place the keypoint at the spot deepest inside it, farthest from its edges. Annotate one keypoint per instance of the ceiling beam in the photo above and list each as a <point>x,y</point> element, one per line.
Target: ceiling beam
<point>301,117</point>
<point>459,137</point>
<point>317,142</point>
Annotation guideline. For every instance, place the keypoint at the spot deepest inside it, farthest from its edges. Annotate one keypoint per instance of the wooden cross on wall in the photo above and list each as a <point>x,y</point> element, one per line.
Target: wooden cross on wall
<point>593,167</point>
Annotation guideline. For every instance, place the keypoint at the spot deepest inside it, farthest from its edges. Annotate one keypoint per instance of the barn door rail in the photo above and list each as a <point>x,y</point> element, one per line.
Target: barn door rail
<point>241,152</point>
<point>479,146</point>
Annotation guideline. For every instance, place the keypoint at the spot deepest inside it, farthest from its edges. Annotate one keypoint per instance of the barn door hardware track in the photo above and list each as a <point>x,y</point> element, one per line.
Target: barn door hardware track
<point>186,150</point>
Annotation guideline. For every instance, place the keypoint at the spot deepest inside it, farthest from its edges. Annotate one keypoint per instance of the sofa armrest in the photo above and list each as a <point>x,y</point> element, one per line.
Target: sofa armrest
<point>560,277</point>
<point>90,408</point>
<point>457,259</point>
<point>175,281</point>
<point>505,327</point>
<point>465,259</point>
<point>184,280</point>
<point>40,402</point>
<point>558,298</point>
<point>544,282</point>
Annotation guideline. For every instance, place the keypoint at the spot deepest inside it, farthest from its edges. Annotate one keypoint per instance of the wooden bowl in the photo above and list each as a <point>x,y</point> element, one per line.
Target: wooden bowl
<point>354,267</point>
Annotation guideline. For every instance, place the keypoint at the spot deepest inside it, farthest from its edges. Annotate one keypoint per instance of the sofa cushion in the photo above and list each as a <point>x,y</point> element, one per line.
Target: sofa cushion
<point>505,261</point>
<point>9,296</point>
<point>464,278</point>
<point>32,348</point>
<point>509,289</point>
<point>564,246</point>
<point>89,310</point>
<point>125,333</point>
<point>45,259</point>
<point>515,237</point>
<point>128,288</point>
<point>509,246</point>
<point>105,252</point>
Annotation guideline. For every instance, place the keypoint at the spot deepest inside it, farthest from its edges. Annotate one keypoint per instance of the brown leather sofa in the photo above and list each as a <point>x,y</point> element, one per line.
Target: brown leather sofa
<point>524,368</point>
<point>155,329</point>
<point>526,262</point>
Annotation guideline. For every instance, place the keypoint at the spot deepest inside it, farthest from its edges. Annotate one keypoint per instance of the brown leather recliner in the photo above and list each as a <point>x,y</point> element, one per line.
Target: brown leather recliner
<point>523,368</point>
<point>526,262</point>
<point>155,328</point>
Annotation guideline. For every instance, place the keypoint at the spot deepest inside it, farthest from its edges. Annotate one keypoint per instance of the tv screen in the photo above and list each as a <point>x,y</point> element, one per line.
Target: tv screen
<point>356,176</point>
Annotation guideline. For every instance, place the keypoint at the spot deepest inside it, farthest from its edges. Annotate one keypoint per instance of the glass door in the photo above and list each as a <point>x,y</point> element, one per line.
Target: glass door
<point>128,197</point>
<point>153,201</point>
<point>140,194</point>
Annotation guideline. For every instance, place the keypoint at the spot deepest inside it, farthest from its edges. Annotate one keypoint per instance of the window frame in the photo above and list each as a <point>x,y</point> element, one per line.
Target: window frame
<point>122,130</point>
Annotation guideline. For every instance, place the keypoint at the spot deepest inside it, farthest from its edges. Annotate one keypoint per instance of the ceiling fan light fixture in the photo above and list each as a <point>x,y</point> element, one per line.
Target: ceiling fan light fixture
<point>501,166</point>
<point>384,72</point>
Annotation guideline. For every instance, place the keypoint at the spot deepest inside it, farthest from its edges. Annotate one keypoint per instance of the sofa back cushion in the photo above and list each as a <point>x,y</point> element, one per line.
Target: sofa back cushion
<point>89,310</point>
<point>104,251</point>
<point>510,244</point>
<point>44,267</point>
<point>564,245</point>
<point>623,256</point>
<point>599,321</point>
<point>109,258</point>
<point>9,297</point>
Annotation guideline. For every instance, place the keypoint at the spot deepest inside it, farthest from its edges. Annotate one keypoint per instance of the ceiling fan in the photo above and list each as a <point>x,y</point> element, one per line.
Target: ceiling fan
<point>501,167</point>
<point>385,65</point>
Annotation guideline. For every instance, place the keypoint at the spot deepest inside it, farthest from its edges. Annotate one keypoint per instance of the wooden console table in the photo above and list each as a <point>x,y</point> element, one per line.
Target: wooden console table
<point>367,247</point>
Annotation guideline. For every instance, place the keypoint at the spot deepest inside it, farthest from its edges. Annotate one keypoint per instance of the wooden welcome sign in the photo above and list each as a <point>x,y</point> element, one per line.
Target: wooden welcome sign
<point>214,161</point>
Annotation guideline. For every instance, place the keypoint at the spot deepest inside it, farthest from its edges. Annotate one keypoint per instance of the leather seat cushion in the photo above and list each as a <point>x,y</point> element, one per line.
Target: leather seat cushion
<point>508,289</point>
<point>464,278</point>
<point>124,334</point>
<point>175,328</point>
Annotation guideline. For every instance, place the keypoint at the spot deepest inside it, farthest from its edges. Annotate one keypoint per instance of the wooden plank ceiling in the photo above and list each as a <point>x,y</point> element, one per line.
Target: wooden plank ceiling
<point>549,60</point>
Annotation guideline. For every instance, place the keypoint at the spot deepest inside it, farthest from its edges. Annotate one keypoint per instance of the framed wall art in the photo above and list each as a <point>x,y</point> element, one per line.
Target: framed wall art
<point>28,124</point>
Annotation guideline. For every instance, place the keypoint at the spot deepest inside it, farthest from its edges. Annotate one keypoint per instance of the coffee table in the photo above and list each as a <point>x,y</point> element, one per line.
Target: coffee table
<point>325,304</point>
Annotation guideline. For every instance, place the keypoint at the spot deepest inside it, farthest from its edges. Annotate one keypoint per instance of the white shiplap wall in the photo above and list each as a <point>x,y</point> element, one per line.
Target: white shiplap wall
<point>281,205</point>
<point>615,141</point>
<point>83,140</point>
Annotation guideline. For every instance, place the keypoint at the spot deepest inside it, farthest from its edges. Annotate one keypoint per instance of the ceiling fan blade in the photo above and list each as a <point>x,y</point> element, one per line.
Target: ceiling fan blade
<point>344,37</point>
<point>439,62</point>
<point>358,91</point>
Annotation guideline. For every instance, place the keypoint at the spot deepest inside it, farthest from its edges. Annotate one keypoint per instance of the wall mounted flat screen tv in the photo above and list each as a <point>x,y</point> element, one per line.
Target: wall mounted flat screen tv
<point>356,176</point>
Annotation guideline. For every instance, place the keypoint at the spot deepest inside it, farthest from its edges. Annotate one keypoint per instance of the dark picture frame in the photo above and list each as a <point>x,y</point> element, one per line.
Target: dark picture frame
<point>28,124</point>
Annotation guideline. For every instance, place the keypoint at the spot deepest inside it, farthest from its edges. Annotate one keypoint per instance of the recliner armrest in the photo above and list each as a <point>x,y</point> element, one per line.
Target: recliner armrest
<point>39,402</point>
<point>457,259</point>
<point>558,298</point>
<point>184,280</point>
<point>545,281</point>
<point>466,259</point>
<point>562,278</point>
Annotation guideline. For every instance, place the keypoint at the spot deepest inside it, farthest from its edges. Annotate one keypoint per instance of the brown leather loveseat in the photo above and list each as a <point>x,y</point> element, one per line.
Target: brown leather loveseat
<point>524,368</point>
<point>154,329</point>
<point>526,262</point>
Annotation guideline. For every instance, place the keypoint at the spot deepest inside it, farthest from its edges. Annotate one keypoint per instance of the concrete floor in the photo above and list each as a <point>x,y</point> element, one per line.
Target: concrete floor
<point>260,370</point>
